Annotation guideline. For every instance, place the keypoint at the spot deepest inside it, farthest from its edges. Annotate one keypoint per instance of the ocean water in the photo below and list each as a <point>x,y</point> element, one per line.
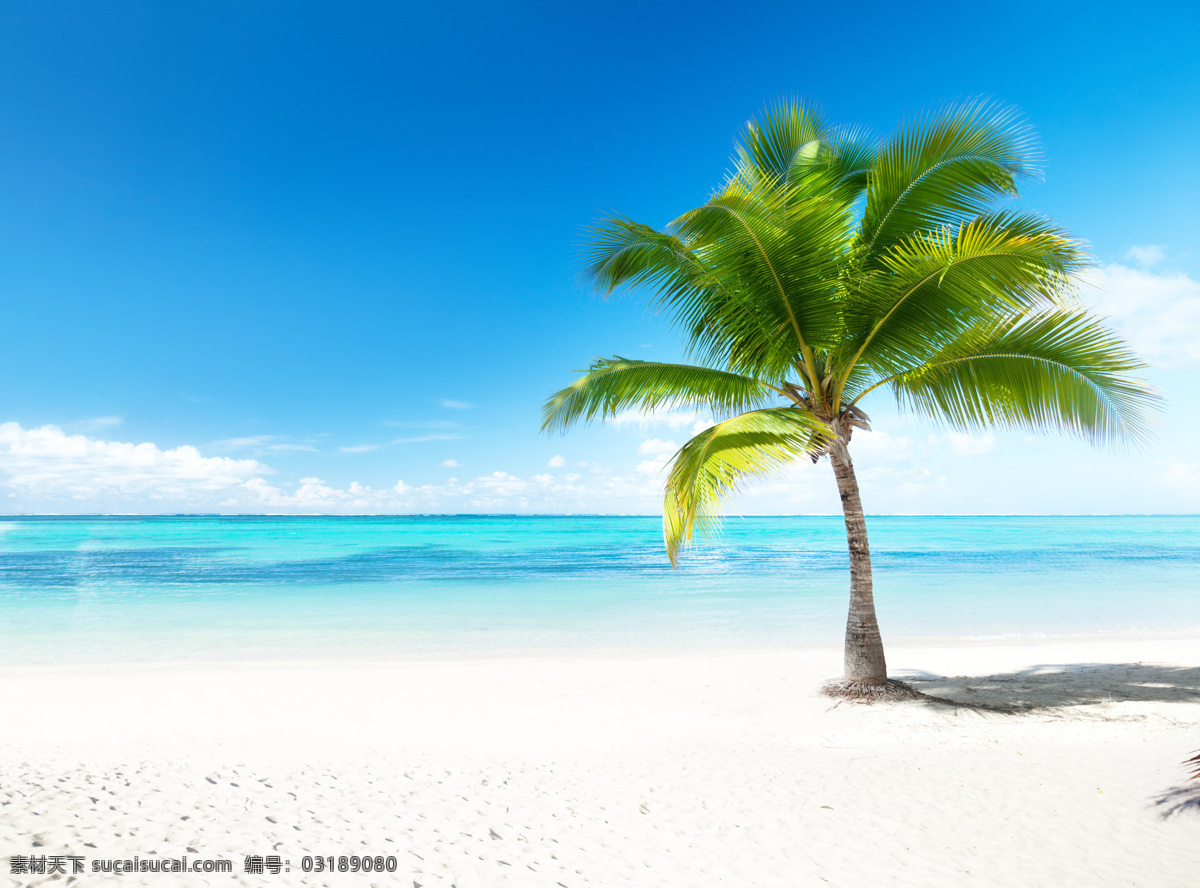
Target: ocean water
<point>136,589</point>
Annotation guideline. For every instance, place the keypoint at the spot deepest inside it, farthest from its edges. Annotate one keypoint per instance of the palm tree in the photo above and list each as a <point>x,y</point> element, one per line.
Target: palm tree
<point>827,268</point>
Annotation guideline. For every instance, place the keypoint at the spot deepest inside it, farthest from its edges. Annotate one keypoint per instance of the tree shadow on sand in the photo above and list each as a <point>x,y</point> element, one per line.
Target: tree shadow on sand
<point>1079,689</point>
<point>1051,689</point>
<point>1180,800</point>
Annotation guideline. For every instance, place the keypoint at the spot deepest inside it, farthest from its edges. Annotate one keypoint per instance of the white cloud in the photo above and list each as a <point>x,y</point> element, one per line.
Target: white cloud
<point>47,470</point>
<point>1182,476</point>
<point>556,462</point>
<point>262,444</point>
<point>653,466</point>
<point>422,438</point>
<point>1146,255</point>
<point>655,446</point>
<point>96,423</point>
<point>659,451</point>
<point>966,444</point>
<point>456,405</point>
<point>314,495</point>
<point>415,439</point>
<point>1158,313</point>
<point>880,446</point>
<point>673,419</point>
<point>450,464</point>
<point>496,491</point>
<point>52,466</point>
<point>242,443</point>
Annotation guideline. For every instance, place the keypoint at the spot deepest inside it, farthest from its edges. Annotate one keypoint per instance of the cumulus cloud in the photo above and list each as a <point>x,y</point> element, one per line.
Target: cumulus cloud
<point>450,464</point>
<point>48,470</point>
<point>1182,476</point>
<point>659,451</point>
<point>1147,255</point>
<point>880,446</point>
<point>653,466</point>
<point>497,491</point>
<point>314,495</point>
<point>1158,313</point>
<point>966,444</point>
<point>655,446</point>
<point>56,466</point>
<point>673,419</point>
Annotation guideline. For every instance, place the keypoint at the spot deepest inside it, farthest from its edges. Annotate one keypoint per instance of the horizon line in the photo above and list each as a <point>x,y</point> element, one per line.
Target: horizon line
<point>11,515</point>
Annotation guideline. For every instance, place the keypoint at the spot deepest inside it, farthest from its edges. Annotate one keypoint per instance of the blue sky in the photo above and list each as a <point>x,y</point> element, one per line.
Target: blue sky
<point>306,257</point>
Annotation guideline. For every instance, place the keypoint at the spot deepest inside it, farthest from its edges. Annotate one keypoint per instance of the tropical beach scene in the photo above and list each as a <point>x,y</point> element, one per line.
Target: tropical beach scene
<point>610,446</point>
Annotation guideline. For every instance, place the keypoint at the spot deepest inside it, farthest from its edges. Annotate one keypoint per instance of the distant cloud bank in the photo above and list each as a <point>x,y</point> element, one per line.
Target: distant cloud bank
<point>47,465</point>
<point>1158,312</point>
<point>48,470</point>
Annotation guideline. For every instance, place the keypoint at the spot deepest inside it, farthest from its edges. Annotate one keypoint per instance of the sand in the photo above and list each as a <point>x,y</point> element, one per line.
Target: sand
<point>681,770</point>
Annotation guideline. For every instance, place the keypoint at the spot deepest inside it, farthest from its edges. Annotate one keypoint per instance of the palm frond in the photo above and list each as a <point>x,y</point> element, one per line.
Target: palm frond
<point>777,292</point>
<point>933,286</point>
<point>847,162</point>
<point>792,148</point>
<point>712,465</point>
<point>612,385</point>
<point>621,252</point>
<point>943,170</point>
<point>779,148</point>
<point>1059,369</point>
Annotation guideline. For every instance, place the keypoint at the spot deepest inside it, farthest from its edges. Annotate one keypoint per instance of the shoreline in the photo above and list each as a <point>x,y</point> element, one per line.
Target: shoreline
<point>349,657</point>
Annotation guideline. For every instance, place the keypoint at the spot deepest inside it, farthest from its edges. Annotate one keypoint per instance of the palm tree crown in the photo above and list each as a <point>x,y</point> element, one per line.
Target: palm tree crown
<point>828,266</point>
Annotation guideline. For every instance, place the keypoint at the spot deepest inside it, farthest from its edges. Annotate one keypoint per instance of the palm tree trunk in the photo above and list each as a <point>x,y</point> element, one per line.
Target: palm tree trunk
<point>865,663</point>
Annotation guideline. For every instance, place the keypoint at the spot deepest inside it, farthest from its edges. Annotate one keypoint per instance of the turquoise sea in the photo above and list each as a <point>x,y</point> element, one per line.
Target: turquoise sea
<point>137,589</point>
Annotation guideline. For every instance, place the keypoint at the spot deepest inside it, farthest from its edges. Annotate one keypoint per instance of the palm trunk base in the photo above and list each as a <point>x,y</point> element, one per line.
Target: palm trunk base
<point>872,692</point>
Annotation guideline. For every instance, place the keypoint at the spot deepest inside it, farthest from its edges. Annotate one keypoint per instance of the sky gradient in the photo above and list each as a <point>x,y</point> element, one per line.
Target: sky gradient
<point>281,257</point>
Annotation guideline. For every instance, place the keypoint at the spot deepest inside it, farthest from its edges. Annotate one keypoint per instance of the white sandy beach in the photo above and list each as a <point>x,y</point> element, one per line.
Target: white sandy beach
<point>727,769</point>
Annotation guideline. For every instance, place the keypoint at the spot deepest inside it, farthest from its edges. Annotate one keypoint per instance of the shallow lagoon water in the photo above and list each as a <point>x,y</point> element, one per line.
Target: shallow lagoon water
<point>138,589</point>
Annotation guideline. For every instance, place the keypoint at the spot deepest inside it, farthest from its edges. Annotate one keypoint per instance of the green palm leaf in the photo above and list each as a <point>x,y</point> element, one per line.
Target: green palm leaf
<point>777,259</point>
<point>622,252</point>
<point>711,466</point>
<point>792,148</point>
<point>785,145</point>
<point>612,385</point>
<point>934,287</point>
<point>1059,369</point>
<point>943,170</point>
